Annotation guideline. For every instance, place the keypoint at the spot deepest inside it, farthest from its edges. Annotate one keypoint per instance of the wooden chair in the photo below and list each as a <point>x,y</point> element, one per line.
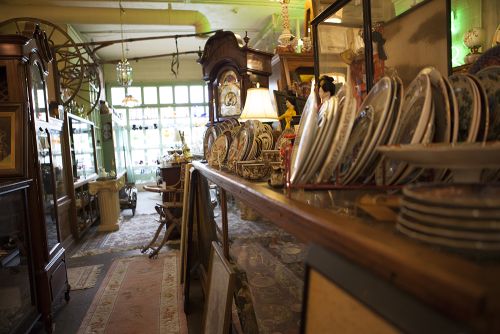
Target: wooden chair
<point>169,211</point>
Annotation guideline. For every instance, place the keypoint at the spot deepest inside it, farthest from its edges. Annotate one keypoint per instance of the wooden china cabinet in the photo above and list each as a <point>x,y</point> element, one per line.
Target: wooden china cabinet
<point>39,156</point>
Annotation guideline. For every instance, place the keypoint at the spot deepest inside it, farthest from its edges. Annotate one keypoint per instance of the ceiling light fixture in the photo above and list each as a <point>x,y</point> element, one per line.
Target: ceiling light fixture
<point>286,36</point>
<point>123,68</point>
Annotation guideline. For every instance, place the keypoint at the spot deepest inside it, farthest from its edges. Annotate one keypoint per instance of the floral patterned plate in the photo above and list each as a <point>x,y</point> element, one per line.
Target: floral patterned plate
<point>490,80</point>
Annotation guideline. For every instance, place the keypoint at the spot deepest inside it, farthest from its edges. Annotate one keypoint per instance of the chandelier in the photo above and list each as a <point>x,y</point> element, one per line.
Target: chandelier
<point>123,68</point>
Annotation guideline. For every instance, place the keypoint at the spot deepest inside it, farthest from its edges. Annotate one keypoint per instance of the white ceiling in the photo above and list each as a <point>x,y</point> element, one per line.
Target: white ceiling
<point>261,18</point>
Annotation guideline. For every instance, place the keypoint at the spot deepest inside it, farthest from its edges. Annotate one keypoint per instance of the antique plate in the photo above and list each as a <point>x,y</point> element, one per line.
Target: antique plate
<point>267,140</point>
<point>327,117</point>
<point>415,121</point>
<point>490,81</point>
<point>341,136</point>
<point>467,235</point>
<point>412,172</point>
<point>239,146</point>
<point>361,134</point>
<point>208,140</point>
<point>454,119</point>
<point>440,99</point>
<point>450,212</point>
<point>456,223</point>
<point>442,155</point>
<point>482,103</point>
<point>305,138</point>
<point>416,111</point>
<point>457,235</point>
<point>281,139</point>
<point>475,247</point>
<point>392,125</point>
<point>480,196</point>
<point>379,98</point>
<point>463,88</point>
<point>218,151</point>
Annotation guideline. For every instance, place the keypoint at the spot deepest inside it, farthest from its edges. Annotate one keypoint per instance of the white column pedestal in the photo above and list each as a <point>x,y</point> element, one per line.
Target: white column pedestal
<point>109,204</point>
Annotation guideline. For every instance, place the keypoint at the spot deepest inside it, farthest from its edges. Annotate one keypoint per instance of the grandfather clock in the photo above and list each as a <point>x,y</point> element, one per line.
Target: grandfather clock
<point>230,67</point>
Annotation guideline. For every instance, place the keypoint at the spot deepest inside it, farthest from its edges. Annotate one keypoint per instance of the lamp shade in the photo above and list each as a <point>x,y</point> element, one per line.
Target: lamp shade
<point>258,106</point>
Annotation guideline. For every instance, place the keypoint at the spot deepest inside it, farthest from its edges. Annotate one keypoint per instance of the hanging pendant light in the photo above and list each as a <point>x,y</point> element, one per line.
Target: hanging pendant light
<point>123,68</point>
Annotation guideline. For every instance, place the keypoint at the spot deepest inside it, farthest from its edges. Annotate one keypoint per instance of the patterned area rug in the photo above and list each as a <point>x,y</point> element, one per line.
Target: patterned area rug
<point>138,295</point>
<point>273,261</point>
<point>83,277</point>
<point>276,291</point>
<point>134,233</point>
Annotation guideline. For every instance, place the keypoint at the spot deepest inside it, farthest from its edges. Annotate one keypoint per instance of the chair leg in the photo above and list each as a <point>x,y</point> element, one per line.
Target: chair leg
<point>154,253</point>
<point>157,234</point>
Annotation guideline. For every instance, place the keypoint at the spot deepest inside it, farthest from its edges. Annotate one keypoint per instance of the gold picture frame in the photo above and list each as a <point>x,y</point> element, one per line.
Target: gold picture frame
<point>219,295</point>
<point>11,140</point>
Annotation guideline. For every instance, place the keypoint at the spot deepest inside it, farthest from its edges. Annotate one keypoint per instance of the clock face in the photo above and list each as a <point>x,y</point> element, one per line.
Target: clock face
<point>229,94</point>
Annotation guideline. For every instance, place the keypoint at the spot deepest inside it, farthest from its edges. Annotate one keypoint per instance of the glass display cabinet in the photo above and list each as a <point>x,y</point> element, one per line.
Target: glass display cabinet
<point>373,38</point>
<point>82,146</point>
<point>18,300</point>
<point>32,145</point>
<point>82,152</point>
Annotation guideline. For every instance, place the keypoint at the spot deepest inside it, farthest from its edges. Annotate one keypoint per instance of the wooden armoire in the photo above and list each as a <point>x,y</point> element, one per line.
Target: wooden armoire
<point>34,141</point>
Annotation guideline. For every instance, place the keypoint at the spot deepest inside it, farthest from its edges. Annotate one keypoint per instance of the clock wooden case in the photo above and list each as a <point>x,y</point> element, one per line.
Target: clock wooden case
<point>230,67</point>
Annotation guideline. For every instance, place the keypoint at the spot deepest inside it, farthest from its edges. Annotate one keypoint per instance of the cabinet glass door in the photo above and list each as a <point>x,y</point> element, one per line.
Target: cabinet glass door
<point>47,188</point>
<point>83,149</point>
<point>17,302</point>
<point>57,160</point>
<point>38,92</point>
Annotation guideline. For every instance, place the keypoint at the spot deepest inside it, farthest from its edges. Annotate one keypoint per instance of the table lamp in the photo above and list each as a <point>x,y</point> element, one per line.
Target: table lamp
<point>258,106</point>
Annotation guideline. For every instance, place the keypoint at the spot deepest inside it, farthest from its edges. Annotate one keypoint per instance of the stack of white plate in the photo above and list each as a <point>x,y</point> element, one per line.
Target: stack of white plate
<point>463,217</point>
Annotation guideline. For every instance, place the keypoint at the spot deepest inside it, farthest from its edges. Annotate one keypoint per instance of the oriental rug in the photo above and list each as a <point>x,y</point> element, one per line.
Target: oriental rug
<point>83,277</point>
<point>134,233</point>
<point>138,295</point>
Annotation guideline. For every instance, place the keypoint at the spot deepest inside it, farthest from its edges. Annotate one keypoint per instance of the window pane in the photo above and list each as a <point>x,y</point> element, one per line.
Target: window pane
<point>117,95</point>
<point>181,94</point>
<point>153,156</point>
<point>151,113</point>
<point>135,114</point>
<point>181,112</point>
<point>196,94</point>
<point>150,95</point>
<point>135,92</point>
<point>138,157</point>
<point>199,115</point>
<point>166,96</point>
<point>122,113</point>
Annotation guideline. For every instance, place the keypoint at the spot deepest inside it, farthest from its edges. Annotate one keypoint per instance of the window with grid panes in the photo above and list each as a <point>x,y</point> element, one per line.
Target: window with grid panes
<point>153,125</point>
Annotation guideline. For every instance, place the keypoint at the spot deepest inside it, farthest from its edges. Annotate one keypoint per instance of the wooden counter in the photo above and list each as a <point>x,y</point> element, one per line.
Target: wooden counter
<point>464,290</point>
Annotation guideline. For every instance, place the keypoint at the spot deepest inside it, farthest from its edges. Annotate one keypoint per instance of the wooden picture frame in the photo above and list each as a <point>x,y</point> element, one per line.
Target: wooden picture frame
<point>219,296</point>
<point>353,292</point>
<point>11,139</point>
